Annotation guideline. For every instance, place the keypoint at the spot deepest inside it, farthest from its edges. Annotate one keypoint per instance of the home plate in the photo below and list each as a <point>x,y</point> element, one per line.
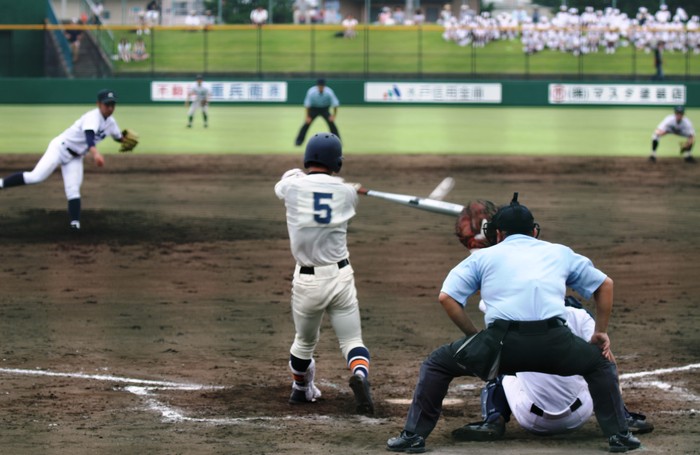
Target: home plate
<point>445,402</point>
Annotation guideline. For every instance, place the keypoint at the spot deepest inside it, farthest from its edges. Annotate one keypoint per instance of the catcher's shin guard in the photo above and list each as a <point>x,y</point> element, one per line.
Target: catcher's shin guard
<point>303,388</point>
<point>493,401</point>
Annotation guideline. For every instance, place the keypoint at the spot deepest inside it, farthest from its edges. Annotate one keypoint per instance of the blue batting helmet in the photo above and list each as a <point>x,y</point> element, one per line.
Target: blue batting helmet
<point>324,149</point>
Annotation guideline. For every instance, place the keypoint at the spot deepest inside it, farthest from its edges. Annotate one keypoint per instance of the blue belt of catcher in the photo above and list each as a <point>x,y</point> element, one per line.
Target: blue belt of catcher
<point>310,270</point>
<point>538,411</point>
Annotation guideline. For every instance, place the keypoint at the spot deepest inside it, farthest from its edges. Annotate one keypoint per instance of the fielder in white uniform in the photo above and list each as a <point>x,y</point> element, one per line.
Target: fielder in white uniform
<point>198,94</point>
<point>543,404</point>
<point>679,125</point>
<point>319,206</point>
<point>68,150</point>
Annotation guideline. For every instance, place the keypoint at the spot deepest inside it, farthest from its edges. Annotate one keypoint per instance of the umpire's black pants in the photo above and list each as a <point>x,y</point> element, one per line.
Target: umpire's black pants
<point>313,113</point>
<point>548,350</point>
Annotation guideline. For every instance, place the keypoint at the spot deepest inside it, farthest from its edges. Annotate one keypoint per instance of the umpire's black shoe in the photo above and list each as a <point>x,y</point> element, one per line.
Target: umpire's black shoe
<point>481,431</point>
<point>689,159</point>
<point>363,397</point>
<point>622,442</point>
<point>405,443</point>
<point>638,424</point>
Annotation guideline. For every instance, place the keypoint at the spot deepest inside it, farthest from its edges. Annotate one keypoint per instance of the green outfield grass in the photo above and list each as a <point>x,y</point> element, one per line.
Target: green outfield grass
<point>389,50</point>
<point>383,130</point>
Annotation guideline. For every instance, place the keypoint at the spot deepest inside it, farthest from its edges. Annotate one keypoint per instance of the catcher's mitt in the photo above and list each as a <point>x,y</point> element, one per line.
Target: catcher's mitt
<point>130,140</point>
<point>470,223</point>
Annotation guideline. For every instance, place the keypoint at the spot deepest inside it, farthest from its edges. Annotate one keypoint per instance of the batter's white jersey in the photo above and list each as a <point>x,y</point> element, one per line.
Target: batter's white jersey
<point>671,126</point>
<point>74,137</point>
<point>547,403</point>
<point>319,207</point>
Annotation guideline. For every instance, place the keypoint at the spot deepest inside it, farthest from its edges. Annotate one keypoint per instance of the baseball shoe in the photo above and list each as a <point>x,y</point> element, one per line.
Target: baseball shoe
<point>304,395</point>
<point>689,159</point>
<point>481,431</point>
<point>75,225</point>
<point>189,125</point>
<point>652,159</point>
<point>206,126</point>
<point>298,142</point>
<point>638,424</point>
<point>619,442</point>
<point>363,398</point>
<point>405,443</point>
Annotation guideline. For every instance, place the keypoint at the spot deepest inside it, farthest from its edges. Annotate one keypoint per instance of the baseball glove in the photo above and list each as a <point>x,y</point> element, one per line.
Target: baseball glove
<point>130,140</point>
<point>470,223</point>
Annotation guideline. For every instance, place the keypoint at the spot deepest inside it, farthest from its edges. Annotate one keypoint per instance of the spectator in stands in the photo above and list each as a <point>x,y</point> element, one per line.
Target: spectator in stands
<point>659,61</point>
<point>259,16</point>
<point>418,17</point>
<point>124,50</point>
<point>153,13</point>
<point>192,19</point>
<point>399,16</point>
<point>349,26</point>
<point>74,36</point>
<point>138,53</point>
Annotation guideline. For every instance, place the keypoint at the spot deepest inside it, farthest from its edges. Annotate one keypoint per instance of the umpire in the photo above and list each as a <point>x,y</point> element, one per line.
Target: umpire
<point>523,283</point>
<point>318,101</point>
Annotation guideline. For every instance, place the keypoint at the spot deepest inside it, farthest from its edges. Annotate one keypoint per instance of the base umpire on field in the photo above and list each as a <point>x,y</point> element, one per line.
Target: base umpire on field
<point>318,101</point>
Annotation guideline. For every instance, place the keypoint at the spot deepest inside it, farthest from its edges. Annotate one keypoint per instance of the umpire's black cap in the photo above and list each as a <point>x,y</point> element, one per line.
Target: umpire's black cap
<point>513,219</point>
<point>106,96</point>
<point>680,109</point>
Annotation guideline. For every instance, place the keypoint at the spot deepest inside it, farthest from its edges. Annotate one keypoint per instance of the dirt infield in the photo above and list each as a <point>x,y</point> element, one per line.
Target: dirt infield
<point>182,274</point>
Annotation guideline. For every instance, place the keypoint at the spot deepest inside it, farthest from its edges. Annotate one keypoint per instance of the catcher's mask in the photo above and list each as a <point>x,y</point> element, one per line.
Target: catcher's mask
<point>324,149</point>
<point>513,219</point>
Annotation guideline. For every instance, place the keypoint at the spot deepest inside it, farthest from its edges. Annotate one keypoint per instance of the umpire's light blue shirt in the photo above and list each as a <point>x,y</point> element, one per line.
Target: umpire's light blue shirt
<point>523,279</point>
<point>314,98</point>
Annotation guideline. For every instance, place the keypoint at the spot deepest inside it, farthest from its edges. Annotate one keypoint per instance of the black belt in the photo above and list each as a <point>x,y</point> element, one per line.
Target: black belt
<point>72,152</point>
<point>310,270</point>
<point>538,411</point>
<point>536,326</point>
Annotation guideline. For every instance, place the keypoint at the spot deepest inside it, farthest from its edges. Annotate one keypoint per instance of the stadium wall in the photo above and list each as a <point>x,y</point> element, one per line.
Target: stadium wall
<point>356,92</point>
<point>22,51</point>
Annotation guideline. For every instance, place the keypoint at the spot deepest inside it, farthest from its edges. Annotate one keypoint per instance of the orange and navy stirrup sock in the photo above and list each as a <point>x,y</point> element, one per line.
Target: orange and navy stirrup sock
<point>358,361</point>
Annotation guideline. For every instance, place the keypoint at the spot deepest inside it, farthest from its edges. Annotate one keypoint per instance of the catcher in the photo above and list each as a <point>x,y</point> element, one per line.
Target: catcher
<point>679,125</point>
<point>69,148</point>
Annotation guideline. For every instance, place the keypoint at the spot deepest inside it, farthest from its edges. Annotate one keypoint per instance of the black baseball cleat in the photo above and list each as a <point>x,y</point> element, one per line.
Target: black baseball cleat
<point>363,398</point>
<point>652,159</point>
<point>689,159</point>
<point>481,431</point>
<point>620,442</point>
<point>405,443</point>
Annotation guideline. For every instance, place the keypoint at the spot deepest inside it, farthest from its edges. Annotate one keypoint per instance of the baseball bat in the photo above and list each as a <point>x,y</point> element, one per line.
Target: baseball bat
<point>427,204</point>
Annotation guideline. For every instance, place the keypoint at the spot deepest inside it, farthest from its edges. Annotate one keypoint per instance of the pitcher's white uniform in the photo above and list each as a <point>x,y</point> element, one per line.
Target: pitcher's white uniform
<point>551,404</point>
<point>319,207</point>
<point>68,150</point>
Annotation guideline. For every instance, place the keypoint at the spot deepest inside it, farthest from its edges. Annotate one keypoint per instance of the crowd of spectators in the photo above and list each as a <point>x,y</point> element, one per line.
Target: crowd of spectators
<point>576,32</point>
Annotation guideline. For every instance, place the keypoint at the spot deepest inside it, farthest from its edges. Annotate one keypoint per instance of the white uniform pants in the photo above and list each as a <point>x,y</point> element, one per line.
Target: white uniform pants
<point>547,423</point>
<point>71,167</point>
<point>195,106</point>
<point>329,290</point>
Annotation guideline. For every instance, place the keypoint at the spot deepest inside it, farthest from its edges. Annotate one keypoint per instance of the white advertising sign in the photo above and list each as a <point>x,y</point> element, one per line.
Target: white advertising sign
<point>422,92</point>
<point>222,91</point>
<point>637,94</point>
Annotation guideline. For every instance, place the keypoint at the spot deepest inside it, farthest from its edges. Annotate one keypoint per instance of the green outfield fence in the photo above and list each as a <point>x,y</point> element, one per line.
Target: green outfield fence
<point>378,52</point>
